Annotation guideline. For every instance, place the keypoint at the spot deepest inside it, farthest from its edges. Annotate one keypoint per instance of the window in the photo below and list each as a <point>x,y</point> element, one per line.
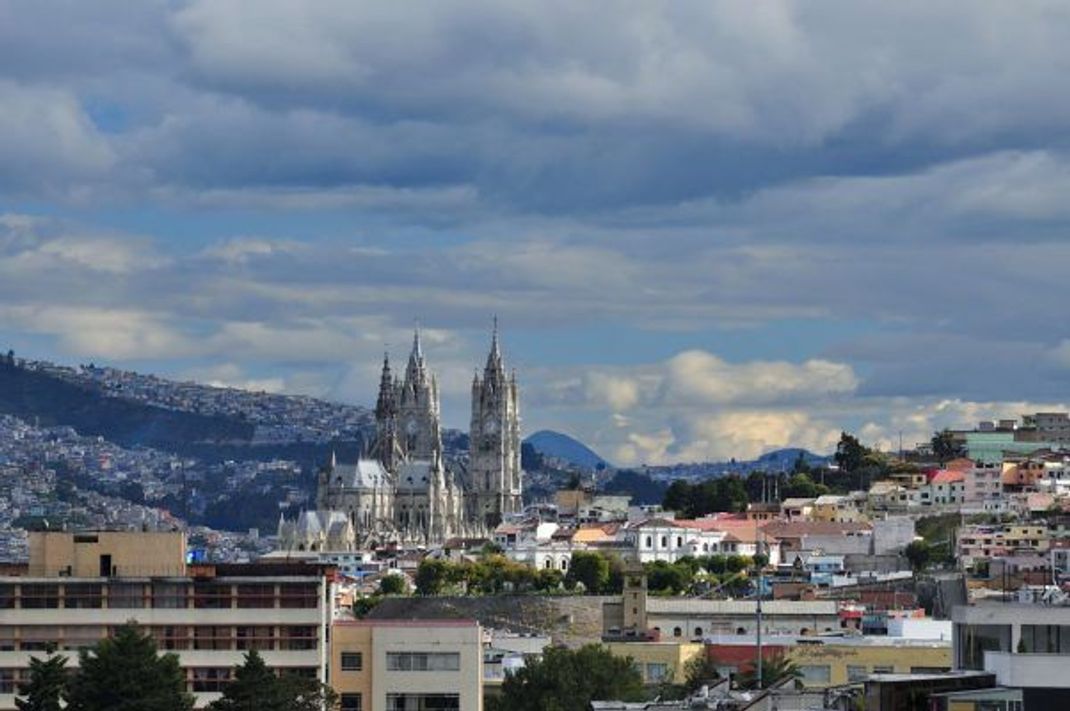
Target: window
<point>698,631</point>
<point>298,595</point>
<point>256,596</point>
<point>815,673</point>
<point>664,541</point>
<point>423,661</point>
<point>211,637</point>
<point>677,632</point>
<point>883,669</point>
<point>126,596</point>
<point>7,681</point>
<point>169,595</point>
<point>351,702</point>
<point>298,638</point>
<point>40,597</point>
<point>262,638</point>
<point>423,702</point>
<point>210,679</point>
<point>7,597</point>
<point>856,673</point>
<point>649,541</point>
<point>211,596</point>
<point>679,541</point>
<point>82,596</point>
<point>656,672</point>
<point>352,661</point>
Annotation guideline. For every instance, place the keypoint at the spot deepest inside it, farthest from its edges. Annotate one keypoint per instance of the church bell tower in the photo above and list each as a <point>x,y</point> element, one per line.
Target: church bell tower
<point>494,441</point>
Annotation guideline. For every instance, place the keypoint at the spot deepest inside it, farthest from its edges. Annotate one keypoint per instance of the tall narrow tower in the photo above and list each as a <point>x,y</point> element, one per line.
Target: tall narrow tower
<point>494,441</point>
<point>418,409</point>
<point>387,445</point>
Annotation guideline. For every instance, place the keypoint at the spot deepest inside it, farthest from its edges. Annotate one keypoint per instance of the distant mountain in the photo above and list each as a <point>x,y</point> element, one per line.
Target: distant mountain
<point>560,446</point>
<point>784,459</point>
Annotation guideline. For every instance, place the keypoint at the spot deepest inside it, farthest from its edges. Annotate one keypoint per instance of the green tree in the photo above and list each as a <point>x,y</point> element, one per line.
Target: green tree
<point>944,445</point>
<point>699,670</point>
<point>590,569</point>
<point>850,454</point>
<point>124,673</point>
<point>256,688</point>
<point>45,687</point>
<point>919,554</point>
<point>775,669</point>
<point>567,680</point>
<point>392,584</point>
<point>671,578</point>
<point>432,576</point>
<point>548,579</point>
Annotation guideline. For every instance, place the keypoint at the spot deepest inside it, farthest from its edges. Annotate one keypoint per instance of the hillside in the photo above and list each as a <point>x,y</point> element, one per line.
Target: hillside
<point>38,397</point>
<point>560,446</point>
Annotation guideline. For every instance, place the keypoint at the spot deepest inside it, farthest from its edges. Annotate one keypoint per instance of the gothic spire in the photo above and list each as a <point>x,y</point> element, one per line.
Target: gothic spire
<point>385,406</point>
<point>494,358</point>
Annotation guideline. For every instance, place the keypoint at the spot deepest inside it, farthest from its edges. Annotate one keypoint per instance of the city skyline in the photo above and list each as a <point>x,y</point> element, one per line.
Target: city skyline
<point>708,232</point>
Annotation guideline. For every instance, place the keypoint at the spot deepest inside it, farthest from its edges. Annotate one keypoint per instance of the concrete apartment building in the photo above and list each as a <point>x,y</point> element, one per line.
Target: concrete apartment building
<point>79,587</point>
<point>407,665</point>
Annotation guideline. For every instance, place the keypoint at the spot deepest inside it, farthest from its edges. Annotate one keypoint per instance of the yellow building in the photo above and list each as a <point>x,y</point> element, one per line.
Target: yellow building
<point>831,663</point>
<point>659,661</point>
<point>407,665</point>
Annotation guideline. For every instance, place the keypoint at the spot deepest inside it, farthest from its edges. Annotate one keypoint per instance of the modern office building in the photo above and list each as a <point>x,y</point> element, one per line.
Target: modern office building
<point>80,587</point>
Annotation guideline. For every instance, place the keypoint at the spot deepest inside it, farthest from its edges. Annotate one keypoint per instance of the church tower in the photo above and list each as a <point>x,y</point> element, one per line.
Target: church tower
<point>418,410</point>
<point>387,445</point>
<point>494,441</point>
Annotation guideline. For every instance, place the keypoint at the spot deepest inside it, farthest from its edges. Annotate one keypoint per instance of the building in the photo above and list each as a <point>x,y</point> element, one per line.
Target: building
<point>407,665</point>
<point>834,660</point>
<point>639,616</point>
<point>659,662</point>
<point>404,491</point>
<point>1026,646</point>
<point>80,586</point>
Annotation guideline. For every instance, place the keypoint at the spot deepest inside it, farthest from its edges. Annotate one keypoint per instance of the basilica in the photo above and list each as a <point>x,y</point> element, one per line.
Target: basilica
<point>403,490</point>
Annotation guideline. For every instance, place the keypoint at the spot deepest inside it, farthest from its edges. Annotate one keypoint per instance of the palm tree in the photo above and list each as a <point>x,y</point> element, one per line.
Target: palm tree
<point>776,668</point>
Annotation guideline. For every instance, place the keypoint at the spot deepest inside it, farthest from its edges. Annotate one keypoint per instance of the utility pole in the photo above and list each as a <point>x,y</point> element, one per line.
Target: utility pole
<point>758,611</point>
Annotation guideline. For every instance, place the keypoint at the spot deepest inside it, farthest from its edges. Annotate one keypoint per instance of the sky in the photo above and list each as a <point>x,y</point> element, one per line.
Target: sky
<point>708,229</point>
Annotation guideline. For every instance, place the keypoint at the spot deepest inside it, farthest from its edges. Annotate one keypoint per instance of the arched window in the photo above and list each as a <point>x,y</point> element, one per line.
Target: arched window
<point>549,564</point>
<point>649,541</point>
<point>698,631</point>
<point>741,630</point>
<point>679,541</point>
<point>677,632</point>
<point>564,565</point>
<point>664,541</point>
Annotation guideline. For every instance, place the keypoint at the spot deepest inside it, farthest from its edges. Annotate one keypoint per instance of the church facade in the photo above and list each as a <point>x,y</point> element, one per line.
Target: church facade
<point>403,491</point>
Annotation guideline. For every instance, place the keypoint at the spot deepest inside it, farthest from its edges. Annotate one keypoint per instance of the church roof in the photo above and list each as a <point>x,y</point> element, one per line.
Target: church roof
<point>415,475</point>
<point>365,474</point>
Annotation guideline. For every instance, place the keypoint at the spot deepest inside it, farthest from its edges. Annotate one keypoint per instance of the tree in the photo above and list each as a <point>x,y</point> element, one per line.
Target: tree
<point>548,579</point>
<point>672,578</point>
<point>590,569</point>
<point>392,584</point>
<point>699,670</point>
<point>775,668</point>
<point>48,679</point>
<point>256,688</point>
<point>850,454</point>
<point>944,445</point>
<point>567,680</point>
<point>124,673</point>
<point>432,576</point>
<point>919,555</point>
